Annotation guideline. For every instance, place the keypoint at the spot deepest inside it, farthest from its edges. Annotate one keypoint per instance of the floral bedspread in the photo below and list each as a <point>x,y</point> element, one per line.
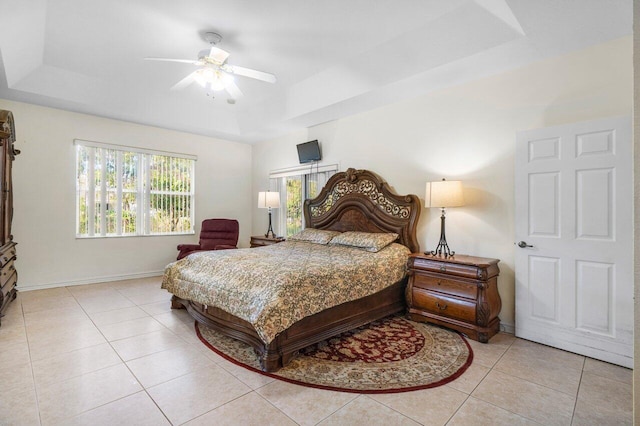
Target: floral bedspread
<point>274,286</point>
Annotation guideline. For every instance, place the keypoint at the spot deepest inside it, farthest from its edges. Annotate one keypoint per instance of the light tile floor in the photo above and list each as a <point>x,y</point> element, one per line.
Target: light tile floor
<point>115,353</point>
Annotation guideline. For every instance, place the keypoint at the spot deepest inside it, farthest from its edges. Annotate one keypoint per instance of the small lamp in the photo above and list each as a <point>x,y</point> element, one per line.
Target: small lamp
<point>442,194</point>
<point>269,200</point>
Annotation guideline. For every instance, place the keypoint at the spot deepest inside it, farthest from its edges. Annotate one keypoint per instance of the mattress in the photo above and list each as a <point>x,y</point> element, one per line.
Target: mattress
<point>273,287</point>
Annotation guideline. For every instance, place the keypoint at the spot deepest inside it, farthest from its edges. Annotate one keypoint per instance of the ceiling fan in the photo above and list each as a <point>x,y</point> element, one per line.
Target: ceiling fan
<point>214,73</point>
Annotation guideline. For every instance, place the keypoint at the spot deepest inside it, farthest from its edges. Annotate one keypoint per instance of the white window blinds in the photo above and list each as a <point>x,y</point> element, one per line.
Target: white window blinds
<point>126,191</point>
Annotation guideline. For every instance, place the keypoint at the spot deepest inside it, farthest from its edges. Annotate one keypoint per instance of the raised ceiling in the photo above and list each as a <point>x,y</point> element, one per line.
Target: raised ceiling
<point>332,58</point>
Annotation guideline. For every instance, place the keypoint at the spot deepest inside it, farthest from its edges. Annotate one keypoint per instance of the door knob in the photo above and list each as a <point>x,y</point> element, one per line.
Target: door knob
<point>523,244</point>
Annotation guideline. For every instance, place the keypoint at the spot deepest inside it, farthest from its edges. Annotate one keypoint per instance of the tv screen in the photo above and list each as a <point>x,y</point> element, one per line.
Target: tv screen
<point>309,152</point>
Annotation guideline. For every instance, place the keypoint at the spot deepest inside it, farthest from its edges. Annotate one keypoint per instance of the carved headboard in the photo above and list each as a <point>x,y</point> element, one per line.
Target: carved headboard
<point>360,200</point>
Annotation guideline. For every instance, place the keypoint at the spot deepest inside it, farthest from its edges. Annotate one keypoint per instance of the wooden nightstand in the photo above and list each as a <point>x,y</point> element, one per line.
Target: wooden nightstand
<point>459,292</point>
<point>261,240</point>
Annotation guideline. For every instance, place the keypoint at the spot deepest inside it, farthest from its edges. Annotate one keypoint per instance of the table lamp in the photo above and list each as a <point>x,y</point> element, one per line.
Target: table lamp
<point>269,200</point>
<point>442,194</point>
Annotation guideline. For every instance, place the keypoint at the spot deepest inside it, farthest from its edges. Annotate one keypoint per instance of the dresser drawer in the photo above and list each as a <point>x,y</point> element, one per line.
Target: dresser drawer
<point>8,269</point>
<point>446,285</point>
<point>439,304</point>
<point>9,283</point>
<point>7,256</point>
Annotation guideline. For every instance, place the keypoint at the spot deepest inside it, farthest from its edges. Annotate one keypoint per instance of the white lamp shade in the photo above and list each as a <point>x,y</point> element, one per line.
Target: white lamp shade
<point>268,199</point>
<point>444,193</point>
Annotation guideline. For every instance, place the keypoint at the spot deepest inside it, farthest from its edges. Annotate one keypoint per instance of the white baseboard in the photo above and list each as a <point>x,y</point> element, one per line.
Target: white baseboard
<point>94,280</point>
<point>508,328</point>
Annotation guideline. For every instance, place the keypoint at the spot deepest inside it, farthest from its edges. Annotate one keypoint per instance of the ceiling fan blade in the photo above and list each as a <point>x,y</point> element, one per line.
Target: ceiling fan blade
<point>184,82</point>
<point>247,72</point>
<point>218,55</point>
<point>184,61</point>
<point>233,90</point>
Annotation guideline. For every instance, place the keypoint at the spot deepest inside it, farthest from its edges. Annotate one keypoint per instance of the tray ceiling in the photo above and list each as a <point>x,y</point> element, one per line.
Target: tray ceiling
<point>332,58</point>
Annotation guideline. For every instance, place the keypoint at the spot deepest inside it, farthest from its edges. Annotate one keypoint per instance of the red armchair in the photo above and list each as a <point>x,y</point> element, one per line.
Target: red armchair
<point>216,234</point>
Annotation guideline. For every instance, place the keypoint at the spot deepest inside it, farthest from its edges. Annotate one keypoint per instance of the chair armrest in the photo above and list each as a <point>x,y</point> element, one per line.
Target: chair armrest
<point>188,247</point>
<point>185,249</point>
<point>225,247</point>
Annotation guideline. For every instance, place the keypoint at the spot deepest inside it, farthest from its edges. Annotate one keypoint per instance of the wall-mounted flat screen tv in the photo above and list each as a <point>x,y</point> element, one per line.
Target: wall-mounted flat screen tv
<point>309,152</point>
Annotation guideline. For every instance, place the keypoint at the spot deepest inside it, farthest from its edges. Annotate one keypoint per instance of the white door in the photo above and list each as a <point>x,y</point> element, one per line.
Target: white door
<point>574,231</point>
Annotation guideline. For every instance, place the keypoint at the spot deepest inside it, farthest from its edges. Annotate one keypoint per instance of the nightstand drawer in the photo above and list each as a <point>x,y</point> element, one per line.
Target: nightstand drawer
<point>469,271</point>
<point>460,309</point>
<point>448,286</point>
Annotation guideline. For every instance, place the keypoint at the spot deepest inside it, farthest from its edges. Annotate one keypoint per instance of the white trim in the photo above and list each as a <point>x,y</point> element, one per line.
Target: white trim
<point>143,215</point>
<point>134,149</point>
<point>310,168</point>
<point>94,280</point>
<point>91,207</point>
<point>159,234</point>
<point>103,194</point>
<point>119,192</point>
<point>508,328</point>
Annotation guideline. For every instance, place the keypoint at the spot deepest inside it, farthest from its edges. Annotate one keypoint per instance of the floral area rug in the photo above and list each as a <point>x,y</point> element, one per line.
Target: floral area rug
<point>389,355</point>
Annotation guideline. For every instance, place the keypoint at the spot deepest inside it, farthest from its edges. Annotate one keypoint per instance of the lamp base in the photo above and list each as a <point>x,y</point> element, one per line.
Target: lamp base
<point>270,230</point>
<point>443,248</point>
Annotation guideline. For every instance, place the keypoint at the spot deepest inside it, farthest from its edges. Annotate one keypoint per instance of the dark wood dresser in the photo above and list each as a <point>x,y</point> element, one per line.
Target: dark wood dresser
<point>459,292</point>
<point>261,240</point>
<point>8,273</point>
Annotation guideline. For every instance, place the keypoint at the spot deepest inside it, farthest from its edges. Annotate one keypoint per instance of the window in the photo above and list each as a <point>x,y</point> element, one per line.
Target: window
<point>123,191</point>
<point>296,185</point>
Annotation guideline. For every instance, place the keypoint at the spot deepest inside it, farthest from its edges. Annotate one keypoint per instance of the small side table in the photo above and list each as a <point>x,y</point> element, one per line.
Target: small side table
<point>261,240</point>
<point>459,292</point>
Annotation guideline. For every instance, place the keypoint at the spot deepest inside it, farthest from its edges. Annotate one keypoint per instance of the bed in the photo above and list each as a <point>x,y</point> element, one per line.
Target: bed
<point>355,200</point>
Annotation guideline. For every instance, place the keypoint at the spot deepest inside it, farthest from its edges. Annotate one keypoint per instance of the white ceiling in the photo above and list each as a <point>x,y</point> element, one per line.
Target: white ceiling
<point>332,58</point>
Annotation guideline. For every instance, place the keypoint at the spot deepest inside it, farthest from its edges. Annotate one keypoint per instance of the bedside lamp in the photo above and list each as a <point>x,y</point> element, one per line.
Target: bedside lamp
<point>442,194</point>
<point>269,200</point>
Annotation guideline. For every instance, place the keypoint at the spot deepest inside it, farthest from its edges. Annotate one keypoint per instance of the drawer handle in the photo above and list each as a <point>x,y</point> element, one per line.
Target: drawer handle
<point>439,282</point>
<point>441,307</point>
<point>443,268</point>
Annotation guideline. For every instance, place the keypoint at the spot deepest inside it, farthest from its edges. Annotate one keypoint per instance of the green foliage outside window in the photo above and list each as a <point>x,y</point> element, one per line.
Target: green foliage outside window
<point>295,199</point>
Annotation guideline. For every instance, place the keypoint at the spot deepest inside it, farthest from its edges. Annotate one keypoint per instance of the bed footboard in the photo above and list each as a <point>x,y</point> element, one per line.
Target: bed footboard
<point>309,330</point>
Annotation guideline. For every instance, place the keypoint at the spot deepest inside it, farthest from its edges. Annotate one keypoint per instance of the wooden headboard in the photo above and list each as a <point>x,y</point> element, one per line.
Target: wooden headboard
<point>360,200</point>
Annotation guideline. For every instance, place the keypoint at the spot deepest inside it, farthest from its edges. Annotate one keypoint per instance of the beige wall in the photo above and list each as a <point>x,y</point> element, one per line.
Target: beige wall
<point>467,133</point>
<point>44,188</point>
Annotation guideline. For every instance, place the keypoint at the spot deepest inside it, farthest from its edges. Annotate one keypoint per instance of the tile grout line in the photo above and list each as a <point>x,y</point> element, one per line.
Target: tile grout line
<point>575,403</point>
<point>526,380</point>
<point>340,408</point>
<point>476,386</point>
<point>33,376</point>
<point>270,403</point>
<point>485,376</point>
<point>144,388</point>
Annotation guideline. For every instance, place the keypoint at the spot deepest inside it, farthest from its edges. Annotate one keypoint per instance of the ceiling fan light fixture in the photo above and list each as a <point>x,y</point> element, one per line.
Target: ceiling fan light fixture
<point>213,79</point>
<point>217,85</point>
<point>203,75</point>
<point>214,73</point>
